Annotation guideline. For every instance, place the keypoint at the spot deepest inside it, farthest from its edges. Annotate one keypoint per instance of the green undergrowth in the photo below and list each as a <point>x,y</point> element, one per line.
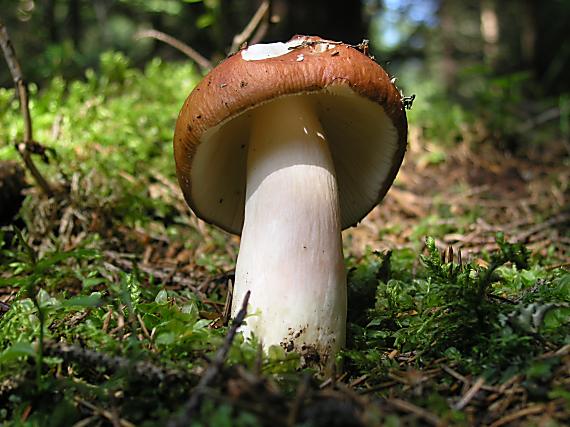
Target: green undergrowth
<point>87,335</point>
<point>111,132</point>
<point>491,318</point>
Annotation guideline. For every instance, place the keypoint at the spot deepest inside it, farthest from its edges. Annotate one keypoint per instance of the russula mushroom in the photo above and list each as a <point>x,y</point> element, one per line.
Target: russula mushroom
<point>287,144</point>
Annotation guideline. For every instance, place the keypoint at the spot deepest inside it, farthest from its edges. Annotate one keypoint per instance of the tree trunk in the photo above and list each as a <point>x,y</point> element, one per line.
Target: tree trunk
<point>74,17</point>
<point>101,9</point>
<point>333,19</point>
<point>49,17</point>
<point>489,31</point>
<point>448,34</point>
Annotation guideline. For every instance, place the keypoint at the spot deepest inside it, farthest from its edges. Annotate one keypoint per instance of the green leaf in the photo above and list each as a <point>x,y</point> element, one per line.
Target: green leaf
<point>161,297</point>
<point>93,300</point>
<point>16,350</point>
<point>205,20</point>
<point>165,338</point>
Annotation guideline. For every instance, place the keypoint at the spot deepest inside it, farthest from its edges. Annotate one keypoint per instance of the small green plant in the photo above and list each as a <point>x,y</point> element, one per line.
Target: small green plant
<point>467,312</point>
<point>93,324</point>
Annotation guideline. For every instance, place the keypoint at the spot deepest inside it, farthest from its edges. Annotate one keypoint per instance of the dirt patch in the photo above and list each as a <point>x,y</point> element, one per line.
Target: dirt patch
<point>467,196</point>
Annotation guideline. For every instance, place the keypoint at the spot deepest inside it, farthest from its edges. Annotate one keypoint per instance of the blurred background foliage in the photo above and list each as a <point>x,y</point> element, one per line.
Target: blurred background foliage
<point>445,37</point>
<point>505,62</point>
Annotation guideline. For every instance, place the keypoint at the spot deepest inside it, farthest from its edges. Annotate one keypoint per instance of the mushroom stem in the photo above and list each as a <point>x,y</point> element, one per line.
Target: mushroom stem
<point>290,255</point>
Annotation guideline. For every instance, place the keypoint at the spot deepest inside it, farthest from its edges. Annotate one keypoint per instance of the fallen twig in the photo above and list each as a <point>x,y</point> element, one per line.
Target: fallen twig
<point>529,410</point>
<point>122,262</point>
<point>405,406</point>
<point>28,146</point>
<point>562,218</point>
<point>470,394</point>
<point>454,374</point>
<point>191,53</point>
<point>212,371</point>
<point>545,116</point>
<point>104,413</point>
<point>246,34</point>
<point>228,305</point>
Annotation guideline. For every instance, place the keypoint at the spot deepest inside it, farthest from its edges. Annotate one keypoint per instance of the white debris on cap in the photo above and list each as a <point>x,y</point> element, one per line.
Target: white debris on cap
<point>262,51</point>
<point>270,50</point>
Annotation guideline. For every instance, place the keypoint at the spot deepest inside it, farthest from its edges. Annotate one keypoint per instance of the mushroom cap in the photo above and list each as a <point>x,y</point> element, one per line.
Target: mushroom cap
<point>360,109</point>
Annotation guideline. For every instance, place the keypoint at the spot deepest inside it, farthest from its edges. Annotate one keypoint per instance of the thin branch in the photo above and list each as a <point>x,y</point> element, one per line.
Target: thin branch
<point>212,371</point>
<point>421,413</point>
<point>470,394</point>
<point>38,177</point>
<point>246,34</point>
<point>545,116</point>
<point>525,412</point>
<point>260,32</point>
<point>120,262</point>
<point>24,149</point>
<point>562,218</point>
<point>104,413</point>
<point>202,62</point>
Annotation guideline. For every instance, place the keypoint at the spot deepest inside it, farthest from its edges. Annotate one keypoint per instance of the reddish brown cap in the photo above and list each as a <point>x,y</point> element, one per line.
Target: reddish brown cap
<point>360,109</point>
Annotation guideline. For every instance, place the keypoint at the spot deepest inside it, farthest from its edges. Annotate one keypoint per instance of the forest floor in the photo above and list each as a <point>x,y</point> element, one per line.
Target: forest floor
<point>467,193</point>
<point>115,316</point>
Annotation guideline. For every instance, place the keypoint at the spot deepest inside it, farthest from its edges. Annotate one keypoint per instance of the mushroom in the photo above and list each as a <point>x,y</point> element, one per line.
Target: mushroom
<point>287,144</point>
